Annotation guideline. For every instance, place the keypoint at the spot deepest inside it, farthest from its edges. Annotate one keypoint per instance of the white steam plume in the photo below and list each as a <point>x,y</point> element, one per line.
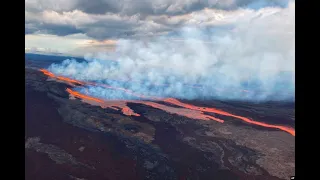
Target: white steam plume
<point>255,54</point>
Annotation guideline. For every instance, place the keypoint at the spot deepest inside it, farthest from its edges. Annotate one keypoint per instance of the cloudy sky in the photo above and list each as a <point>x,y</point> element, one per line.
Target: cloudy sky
<point>79,27</point>
<point>226,44</point>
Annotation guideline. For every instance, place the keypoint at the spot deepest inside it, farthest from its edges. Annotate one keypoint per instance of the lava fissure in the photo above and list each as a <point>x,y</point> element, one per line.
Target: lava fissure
<point>187,110</point>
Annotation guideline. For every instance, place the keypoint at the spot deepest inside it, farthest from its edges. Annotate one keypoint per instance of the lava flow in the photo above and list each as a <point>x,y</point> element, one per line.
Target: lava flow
<point>82,96</point>
<point>61,78</point>
<point>217,111</point>
<point>187,110</point>
<point>75,82</point>
<point>122,105</point>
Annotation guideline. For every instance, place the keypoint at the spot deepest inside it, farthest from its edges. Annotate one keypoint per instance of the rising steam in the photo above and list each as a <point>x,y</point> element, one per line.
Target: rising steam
<point>248,59</point>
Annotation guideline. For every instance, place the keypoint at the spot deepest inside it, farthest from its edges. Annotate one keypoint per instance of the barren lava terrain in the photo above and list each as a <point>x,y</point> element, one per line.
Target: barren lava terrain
<point>70,136</point>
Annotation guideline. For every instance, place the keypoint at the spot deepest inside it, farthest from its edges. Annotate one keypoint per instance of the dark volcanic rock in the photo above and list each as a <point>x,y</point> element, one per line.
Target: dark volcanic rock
<point>58,155</point>
<point>81,141</point>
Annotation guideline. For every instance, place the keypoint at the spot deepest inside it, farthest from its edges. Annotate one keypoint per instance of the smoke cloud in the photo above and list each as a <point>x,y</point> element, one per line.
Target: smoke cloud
<point>250,59</point>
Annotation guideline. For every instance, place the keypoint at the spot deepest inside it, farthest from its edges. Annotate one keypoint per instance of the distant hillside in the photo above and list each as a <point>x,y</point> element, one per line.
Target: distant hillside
<point>44,61</point>
<point>42,57</point>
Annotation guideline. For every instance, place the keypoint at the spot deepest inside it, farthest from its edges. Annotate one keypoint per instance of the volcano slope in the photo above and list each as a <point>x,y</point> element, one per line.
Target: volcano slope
<point>69,138</point>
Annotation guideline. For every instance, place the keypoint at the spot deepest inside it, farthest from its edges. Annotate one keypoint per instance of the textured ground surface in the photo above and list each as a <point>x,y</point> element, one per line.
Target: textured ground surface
<point>70,139</point>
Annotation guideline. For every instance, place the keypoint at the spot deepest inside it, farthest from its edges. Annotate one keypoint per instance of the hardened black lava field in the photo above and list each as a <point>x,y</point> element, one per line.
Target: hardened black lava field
<point>67,138</point>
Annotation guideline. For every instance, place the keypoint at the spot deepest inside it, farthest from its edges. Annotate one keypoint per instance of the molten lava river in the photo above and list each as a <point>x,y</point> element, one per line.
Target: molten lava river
<point>187,110</point>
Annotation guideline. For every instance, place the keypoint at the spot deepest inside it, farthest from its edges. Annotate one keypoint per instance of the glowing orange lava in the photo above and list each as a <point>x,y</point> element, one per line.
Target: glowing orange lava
<point>61,78</point>
<point>122,105</point>
<point>82,96</point>
<point>213,110</point>
<point>72,81</point>
<point>126,110</point>
<point>193,114</point>
<point>46,72</point>
<point>187,110</point>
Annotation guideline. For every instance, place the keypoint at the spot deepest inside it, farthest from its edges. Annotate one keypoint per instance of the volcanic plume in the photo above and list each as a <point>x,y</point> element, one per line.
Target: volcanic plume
<point>243,59</point>
<point>187,110</point>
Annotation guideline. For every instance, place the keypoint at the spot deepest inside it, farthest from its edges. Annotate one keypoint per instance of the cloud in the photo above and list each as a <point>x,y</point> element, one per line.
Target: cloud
<point>96,26</point>
<point>113,19</point>
<point>254,50</point>
<point>75,44</point>
<point>37,50</point>
<point>146,7</point>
